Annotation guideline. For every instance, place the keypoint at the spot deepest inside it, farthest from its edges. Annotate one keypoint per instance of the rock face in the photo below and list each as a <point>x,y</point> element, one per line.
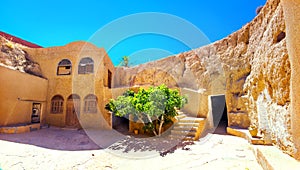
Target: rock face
<point>268,84</point>
<point>14,57</point>
<point>251,67</point>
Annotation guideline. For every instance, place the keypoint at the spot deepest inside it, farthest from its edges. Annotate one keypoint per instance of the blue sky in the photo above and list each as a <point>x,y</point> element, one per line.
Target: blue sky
<point>56,23</point>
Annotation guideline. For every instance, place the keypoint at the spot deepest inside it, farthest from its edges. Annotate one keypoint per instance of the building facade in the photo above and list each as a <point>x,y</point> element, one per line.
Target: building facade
<point>79,84</point>
<point>76,86</point>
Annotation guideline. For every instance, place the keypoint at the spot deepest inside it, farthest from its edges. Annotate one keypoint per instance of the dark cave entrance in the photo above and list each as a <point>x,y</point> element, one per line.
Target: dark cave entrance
<point>219,113</point>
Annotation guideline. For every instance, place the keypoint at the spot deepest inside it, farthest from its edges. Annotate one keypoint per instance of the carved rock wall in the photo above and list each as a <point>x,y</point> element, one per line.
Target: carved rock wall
<point>251,67</point>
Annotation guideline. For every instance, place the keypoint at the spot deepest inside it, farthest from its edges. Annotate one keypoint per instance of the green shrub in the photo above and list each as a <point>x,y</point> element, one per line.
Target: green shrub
<point>153,107</point>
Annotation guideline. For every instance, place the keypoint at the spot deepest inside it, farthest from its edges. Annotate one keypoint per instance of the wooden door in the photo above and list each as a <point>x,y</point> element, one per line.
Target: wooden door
<point>73,112</point>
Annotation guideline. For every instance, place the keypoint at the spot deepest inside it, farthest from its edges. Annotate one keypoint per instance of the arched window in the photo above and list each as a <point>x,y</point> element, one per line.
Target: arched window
<point>57,104</point>
<point>86,66</point>
<point>90,104</point>
<point>74,97</point>
<point>64,67</point>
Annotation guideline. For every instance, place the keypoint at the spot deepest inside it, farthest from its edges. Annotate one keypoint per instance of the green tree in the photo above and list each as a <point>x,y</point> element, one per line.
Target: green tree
<point>153,107</point>
<point>125,61</point>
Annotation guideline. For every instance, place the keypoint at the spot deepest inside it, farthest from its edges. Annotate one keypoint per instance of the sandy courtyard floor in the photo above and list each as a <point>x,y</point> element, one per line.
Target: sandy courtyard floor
<point>56,148</point>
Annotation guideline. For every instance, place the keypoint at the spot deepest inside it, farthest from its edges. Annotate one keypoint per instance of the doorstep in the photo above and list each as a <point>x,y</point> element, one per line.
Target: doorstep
<point>244,133</point>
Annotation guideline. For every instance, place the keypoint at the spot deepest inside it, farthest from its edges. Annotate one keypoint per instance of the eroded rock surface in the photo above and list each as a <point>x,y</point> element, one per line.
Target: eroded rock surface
<point>251,67</point>
<point>14,57</point>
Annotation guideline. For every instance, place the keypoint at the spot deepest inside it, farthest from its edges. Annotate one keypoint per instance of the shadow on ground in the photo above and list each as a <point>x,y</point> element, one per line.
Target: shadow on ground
<point>54,138</point>
<point>121,141</point>
<point>163,145</point>
<point>75,140</point>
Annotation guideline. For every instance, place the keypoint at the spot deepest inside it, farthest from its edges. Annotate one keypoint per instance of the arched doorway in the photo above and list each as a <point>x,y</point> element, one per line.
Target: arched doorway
<point>73,111</point>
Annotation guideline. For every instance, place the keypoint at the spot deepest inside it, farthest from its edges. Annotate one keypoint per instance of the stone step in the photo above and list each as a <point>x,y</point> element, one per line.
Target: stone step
<point>188,124</point>
<point>185,128</point>
<point>180,112</point>
<point>182,137</point>
<point>183,132</point>
<point>192,120</point>
<point>181,116</point>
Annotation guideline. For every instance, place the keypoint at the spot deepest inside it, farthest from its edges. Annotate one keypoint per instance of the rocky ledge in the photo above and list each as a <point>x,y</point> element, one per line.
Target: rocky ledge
<point>13,56</point>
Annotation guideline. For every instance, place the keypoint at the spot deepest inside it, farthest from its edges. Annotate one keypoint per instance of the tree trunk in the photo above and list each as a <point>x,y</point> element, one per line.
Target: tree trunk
<point>153,130</point>
<point>141,119</point>
<point>161,124</point>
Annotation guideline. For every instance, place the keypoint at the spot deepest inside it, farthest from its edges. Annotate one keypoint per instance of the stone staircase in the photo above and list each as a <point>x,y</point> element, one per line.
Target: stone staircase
<point>187,127</point>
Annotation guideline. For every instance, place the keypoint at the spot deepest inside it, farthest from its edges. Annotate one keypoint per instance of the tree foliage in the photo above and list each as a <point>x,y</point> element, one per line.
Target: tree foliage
<point>153,107</point>
<point>125,61</point>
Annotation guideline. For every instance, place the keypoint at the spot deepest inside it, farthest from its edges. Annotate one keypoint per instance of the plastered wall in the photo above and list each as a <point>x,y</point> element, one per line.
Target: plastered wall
<point>18,92</point>
<point>80,84</point>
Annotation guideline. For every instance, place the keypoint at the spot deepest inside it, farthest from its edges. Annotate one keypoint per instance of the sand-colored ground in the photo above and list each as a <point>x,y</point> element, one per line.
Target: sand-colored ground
<point>55,148</point>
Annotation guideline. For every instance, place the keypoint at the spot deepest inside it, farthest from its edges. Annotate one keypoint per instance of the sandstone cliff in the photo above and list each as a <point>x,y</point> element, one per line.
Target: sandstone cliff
<point>251,67</point>
<point>14,57</point>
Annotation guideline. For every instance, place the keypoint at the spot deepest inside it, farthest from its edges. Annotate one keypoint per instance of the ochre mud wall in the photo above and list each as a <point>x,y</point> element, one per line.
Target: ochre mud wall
<point>95,83</point>
<point>17,96</point>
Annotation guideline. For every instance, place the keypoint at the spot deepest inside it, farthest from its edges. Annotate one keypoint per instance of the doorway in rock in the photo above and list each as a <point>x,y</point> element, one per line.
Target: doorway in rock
<point>121,124</point>
<point>219,113</point>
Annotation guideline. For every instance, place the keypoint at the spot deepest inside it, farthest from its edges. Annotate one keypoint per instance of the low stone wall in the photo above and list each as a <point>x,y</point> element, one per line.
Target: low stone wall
<point>197,105</point>
<point>20,129</point>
